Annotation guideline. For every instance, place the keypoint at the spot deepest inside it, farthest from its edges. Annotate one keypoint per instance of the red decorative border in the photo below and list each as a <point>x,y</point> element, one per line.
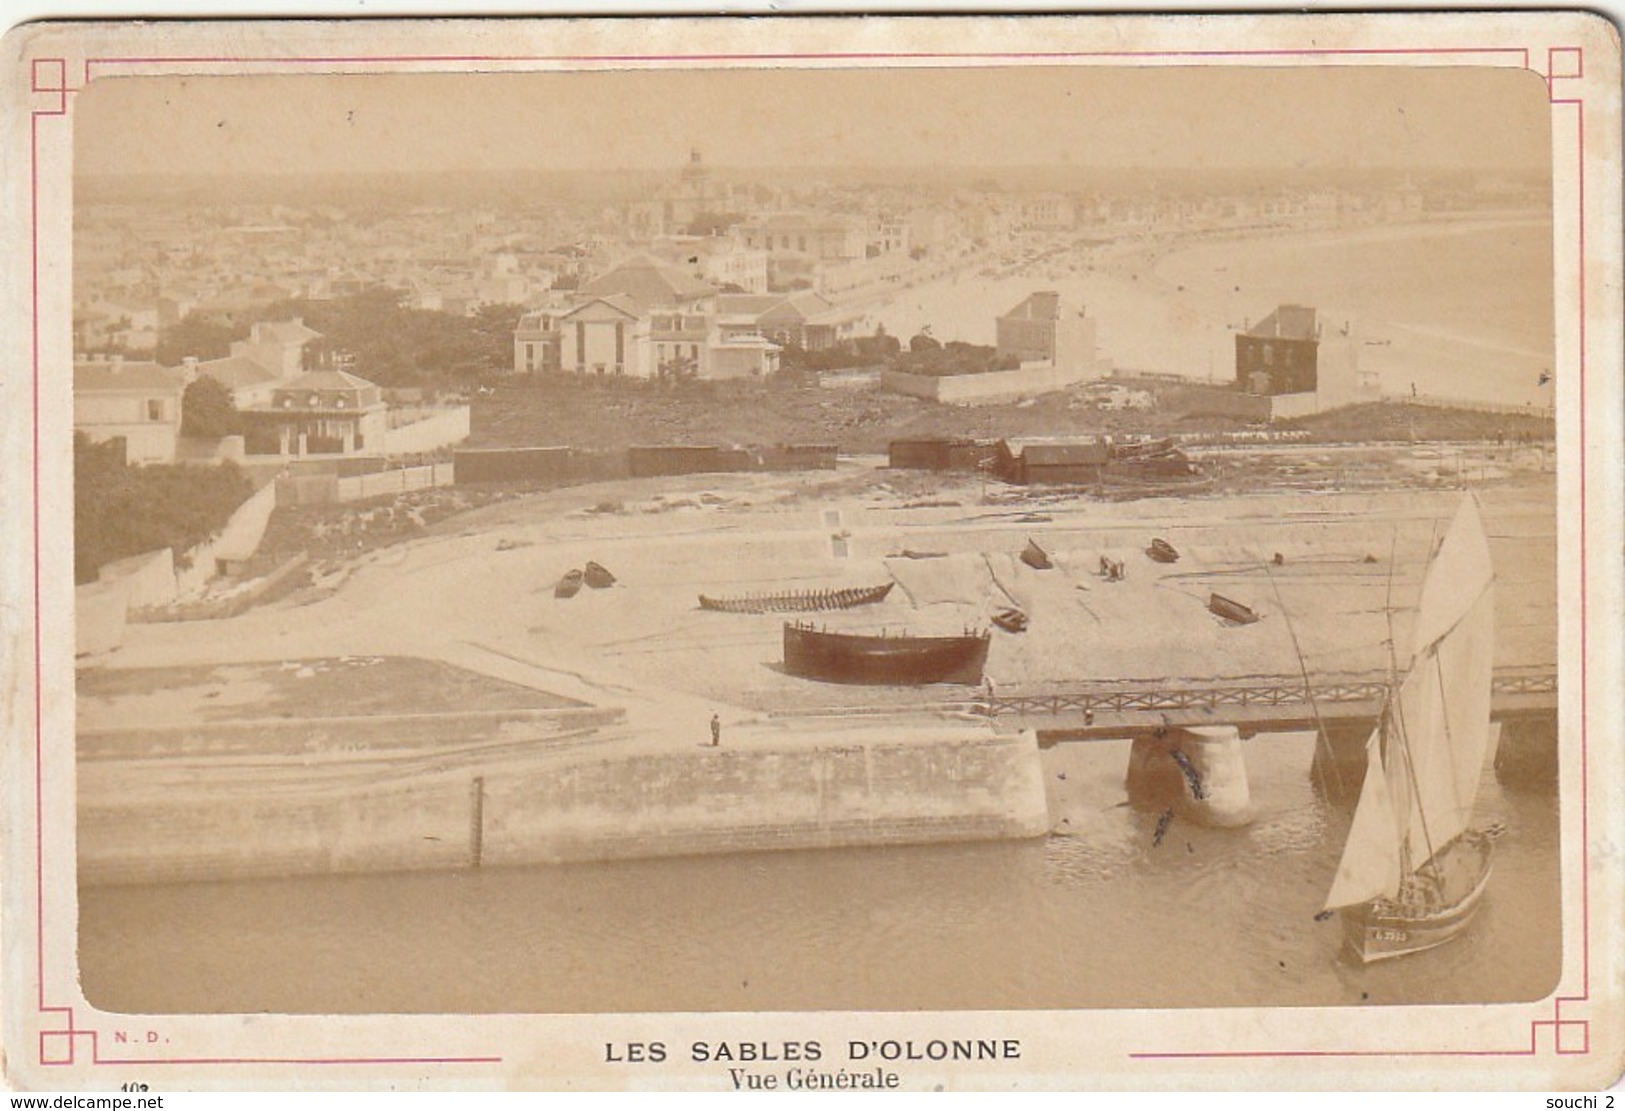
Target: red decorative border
<point>59,1040</point>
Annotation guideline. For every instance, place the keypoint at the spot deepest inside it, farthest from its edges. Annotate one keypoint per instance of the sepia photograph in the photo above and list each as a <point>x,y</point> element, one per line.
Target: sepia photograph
<point>629,521</point>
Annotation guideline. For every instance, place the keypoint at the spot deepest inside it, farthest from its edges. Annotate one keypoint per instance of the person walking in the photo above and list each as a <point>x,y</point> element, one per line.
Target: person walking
<point>716,730</point>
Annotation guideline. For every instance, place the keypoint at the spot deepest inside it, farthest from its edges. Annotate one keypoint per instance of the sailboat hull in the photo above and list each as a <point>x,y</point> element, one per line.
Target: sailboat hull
<point>1428,913</point>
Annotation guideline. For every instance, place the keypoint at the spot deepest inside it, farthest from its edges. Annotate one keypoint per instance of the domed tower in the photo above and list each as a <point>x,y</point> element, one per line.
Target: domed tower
<point>696,169</point>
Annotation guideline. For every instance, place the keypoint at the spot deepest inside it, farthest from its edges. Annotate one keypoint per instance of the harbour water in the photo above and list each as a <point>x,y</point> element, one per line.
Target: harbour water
<point>1098,915</point>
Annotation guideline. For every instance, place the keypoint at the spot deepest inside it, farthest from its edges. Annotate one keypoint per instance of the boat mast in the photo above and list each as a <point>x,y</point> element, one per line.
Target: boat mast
<point>1413,801</point>
<point>1303,670</point>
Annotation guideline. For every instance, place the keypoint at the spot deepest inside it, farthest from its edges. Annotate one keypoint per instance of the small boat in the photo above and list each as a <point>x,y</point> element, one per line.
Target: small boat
<point>897,660</point>
<point>1412,872</point>
<point>1162,551</point>
<point>1011,620</point>
<point>1035,557</point>
<point>1231,610</point>
<point>568,586</point>
<point>910,553</point>
<point>799,601</point>
<point>598,576</point>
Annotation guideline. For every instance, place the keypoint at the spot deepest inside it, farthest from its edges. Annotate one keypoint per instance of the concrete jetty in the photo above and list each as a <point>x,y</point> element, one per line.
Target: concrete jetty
<point>554,796</point>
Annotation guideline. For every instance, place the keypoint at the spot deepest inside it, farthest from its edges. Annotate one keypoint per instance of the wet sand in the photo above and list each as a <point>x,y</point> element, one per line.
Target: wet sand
<point>646,646</point>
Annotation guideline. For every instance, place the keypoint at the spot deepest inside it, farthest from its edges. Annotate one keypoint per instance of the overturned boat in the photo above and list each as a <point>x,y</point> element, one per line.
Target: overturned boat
<point>569,586</point>
<point>884,659</point>
<point>1035,557</point>
<point>1162,551</point>
<point>1231,610</point>
<point>598,576</point>
<point>799,601</point>
<point>1011,620</point>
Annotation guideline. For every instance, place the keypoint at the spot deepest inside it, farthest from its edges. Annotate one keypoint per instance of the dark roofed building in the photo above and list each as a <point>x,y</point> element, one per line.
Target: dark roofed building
<point>943,454</point>
<point>1303,361</point>
<point>1052,460</point>
<point>1279,354</point>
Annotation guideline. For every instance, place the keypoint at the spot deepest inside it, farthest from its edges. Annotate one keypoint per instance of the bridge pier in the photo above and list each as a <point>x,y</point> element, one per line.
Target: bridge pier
<point>1526,755</point>
<point>1199,771</point>
<point>1338,768</point>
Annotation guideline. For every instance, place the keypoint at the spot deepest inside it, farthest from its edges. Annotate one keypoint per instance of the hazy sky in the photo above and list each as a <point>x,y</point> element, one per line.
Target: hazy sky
<point>1220,117</point>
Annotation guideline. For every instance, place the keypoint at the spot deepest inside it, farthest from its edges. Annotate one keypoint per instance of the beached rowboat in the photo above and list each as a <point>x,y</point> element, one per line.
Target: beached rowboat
<point>1035,557</point>
<point>1162,551</point>
<point>1231,610</point>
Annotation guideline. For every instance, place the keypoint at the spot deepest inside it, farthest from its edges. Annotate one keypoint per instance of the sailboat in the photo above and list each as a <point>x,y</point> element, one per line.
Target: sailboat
<point>1413,871</point>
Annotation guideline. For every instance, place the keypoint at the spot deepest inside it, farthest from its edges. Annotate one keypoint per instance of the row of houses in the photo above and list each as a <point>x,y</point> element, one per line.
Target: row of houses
<point>288,409</point>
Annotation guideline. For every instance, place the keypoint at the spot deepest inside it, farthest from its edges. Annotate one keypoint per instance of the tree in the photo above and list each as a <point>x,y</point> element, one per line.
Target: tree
<point>120,510</point>
<point>924,341</point>
<point>208,410</point>
<point>197,336</point>
<point>679,368</point>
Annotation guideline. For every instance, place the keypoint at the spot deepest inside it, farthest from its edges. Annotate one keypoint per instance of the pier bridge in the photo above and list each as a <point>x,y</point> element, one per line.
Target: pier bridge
<point>1343,704</point>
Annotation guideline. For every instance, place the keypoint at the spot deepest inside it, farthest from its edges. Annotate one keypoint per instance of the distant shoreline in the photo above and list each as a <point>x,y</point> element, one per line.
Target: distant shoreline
<point>1170,303</point>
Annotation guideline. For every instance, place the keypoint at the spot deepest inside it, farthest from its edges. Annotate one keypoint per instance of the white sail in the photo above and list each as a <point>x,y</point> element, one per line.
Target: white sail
<point>1425,760</point>
<point>1444,707</point>
<point>1370,864</point>
<point>1444,703</point>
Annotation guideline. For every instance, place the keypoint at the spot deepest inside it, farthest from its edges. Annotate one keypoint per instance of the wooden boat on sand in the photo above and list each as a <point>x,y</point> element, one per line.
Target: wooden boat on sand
<point>1011,620</point>
<point>570,585</point>
<point>1231,610</point>
<point>1035,557</point>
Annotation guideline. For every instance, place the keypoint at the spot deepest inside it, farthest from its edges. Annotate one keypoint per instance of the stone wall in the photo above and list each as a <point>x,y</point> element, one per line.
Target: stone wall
<point>992,386</point>
<point>224,814</point>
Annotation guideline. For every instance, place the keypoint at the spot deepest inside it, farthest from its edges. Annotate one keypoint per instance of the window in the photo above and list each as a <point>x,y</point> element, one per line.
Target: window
<point>155,408</point>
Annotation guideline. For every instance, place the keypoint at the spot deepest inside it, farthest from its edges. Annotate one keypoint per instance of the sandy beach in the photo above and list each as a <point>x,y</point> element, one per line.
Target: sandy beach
<point>1459,309</point>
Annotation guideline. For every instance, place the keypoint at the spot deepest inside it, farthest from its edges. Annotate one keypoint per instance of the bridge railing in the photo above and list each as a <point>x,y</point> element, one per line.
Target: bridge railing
<point>1271,693</point>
